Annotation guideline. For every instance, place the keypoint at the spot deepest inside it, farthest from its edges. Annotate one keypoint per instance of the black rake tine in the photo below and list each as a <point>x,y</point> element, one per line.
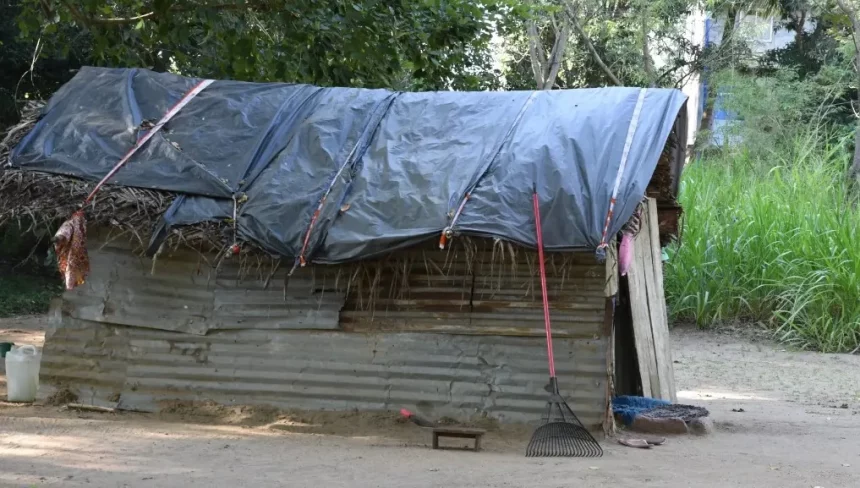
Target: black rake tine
<point>563,439</point>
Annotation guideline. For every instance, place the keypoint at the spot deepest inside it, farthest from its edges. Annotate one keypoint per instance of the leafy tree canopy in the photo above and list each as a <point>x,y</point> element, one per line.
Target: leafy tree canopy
<point>638,43</point>
<point>415,44</point>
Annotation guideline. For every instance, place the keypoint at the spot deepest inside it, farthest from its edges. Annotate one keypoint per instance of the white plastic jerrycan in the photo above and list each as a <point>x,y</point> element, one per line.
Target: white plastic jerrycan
<point>22,373</point>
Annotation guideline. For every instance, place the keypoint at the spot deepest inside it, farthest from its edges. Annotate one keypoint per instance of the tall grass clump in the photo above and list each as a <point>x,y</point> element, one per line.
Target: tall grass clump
<point>773,239</point>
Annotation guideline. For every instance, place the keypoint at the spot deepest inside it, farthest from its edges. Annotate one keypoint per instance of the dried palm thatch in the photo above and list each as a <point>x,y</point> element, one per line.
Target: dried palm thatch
<point>39,202</point>
<point>661,185</point>
<point>33,200</point>
<point>470,268</point>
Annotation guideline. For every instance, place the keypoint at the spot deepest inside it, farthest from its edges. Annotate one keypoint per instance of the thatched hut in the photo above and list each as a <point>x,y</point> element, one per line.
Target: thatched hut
<point>280,244</point>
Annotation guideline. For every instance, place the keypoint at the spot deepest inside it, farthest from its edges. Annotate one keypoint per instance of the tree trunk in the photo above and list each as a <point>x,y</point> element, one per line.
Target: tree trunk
<point>572,14</point>
<point>545,69</point>
<point>536,55</point>
<point>731,23</point>
<point>726,42</point>
<point>799,25</point>
<point>555,56</point>
<point>646,54</point>
<point>851,12</point>
<point>854,171</point>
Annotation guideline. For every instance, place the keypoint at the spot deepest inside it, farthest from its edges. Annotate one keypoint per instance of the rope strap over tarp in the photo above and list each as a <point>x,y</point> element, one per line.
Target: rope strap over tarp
<point>448,231</point>
<point>70,241</point>
<point>628,143</point>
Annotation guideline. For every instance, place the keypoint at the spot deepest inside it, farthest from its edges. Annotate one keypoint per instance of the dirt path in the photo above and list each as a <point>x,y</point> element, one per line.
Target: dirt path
<point>800,428</point>
<point>23,330</point>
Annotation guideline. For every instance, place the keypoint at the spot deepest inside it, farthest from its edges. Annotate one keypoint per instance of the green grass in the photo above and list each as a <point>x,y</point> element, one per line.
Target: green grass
<point>773,241</point>
<point>26,291</point>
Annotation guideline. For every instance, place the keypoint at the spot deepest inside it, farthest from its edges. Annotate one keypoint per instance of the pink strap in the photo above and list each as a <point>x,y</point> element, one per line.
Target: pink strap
<point>631,132</point>
<point>546,318</point>
<point>146,137</point>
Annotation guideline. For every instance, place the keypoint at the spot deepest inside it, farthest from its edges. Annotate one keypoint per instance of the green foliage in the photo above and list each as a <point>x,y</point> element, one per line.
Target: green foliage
<point>775,243</point>
<point>770,229</point>
<point>426,44</point>
<point>772,110</point>
<point>823,57</point>
<point>17,56</point>
<point>28,281</point>
<point>26,291</point>
<point>616,31</point>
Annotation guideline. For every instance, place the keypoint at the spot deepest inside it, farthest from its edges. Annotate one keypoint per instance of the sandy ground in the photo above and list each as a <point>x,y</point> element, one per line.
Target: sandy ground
<point>799,427</point>
<point>23,330</point>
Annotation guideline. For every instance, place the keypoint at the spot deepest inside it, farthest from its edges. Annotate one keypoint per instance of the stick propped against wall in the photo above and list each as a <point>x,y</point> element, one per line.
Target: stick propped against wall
<point>648,306</point>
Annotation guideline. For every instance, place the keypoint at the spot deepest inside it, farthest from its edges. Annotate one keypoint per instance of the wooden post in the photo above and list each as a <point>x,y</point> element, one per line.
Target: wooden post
<point>659,314</point>
<point>648,306</point>
<point>611,293</point>
<point>611,288</point>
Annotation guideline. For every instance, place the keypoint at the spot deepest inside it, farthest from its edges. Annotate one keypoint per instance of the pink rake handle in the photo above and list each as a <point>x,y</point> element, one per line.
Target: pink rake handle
<point>546,318</point>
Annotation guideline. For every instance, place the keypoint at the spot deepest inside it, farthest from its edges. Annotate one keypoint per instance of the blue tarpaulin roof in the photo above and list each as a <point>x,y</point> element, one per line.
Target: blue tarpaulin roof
<point>397,165</point>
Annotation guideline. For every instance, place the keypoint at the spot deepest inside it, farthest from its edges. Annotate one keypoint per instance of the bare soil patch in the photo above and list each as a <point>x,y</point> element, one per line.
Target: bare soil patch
<point>783,419</point>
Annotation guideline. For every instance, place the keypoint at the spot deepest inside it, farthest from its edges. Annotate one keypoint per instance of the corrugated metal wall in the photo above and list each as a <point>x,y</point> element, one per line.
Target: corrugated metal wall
<point>443,374</point>
<point>186,293</point>
<point>479,287</point>
<point>453,333</point>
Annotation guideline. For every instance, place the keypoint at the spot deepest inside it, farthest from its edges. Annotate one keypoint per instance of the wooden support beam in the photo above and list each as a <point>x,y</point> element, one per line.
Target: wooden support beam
<point>648,307</point>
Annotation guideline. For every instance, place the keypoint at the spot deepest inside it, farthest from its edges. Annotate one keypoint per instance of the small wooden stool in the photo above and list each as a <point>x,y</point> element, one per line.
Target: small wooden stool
<point>458,432</point>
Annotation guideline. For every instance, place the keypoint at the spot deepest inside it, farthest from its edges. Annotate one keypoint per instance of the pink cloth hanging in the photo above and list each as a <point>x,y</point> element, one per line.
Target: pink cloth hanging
<point>625,253</point>
<point>628,236</point>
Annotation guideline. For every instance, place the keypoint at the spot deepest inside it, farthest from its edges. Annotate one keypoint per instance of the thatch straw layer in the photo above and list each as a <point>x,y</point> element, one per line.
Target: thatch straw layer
<point>39,202</point>
<point>34,200</point>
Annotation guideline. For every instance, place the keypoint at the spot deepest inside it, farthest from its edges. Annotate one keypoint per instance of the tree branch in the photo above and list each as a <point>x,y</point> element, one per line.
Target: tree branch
<point>89,20</point>
<point>646,54</point>
<point>670,71</point>
<point>572,15</point>
<point>536,54</point>
<point>852,16</point>
<point>556,55</point>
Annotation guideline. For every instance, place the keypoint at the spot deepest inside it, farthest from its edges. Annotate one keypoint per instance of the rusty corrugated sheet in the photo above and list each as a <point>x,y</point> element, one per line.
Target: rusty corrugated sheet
<point>453,333</point>
<point>90,357</point>
<point>185,293</point>
<point>477,287</point>
<point>481,288</point>
<point>442,374</point>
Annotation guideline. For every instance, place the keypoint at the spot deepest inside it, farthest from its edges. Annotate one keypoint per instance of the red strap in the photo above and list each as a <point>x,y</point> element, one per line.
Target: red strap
<point>546,318</point>
<point>146,137</point>
<point>302,261</point>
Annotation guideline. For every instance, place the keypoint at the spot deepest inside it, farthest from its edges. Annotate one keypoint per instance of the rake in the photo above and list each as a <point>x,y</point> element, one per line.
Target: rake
<point>561,433</point>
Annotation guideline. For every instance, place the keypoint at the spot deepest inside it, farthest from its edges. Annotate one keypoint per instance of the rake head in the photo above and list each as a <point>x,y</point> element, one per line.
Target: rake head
<point>561,434</point>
